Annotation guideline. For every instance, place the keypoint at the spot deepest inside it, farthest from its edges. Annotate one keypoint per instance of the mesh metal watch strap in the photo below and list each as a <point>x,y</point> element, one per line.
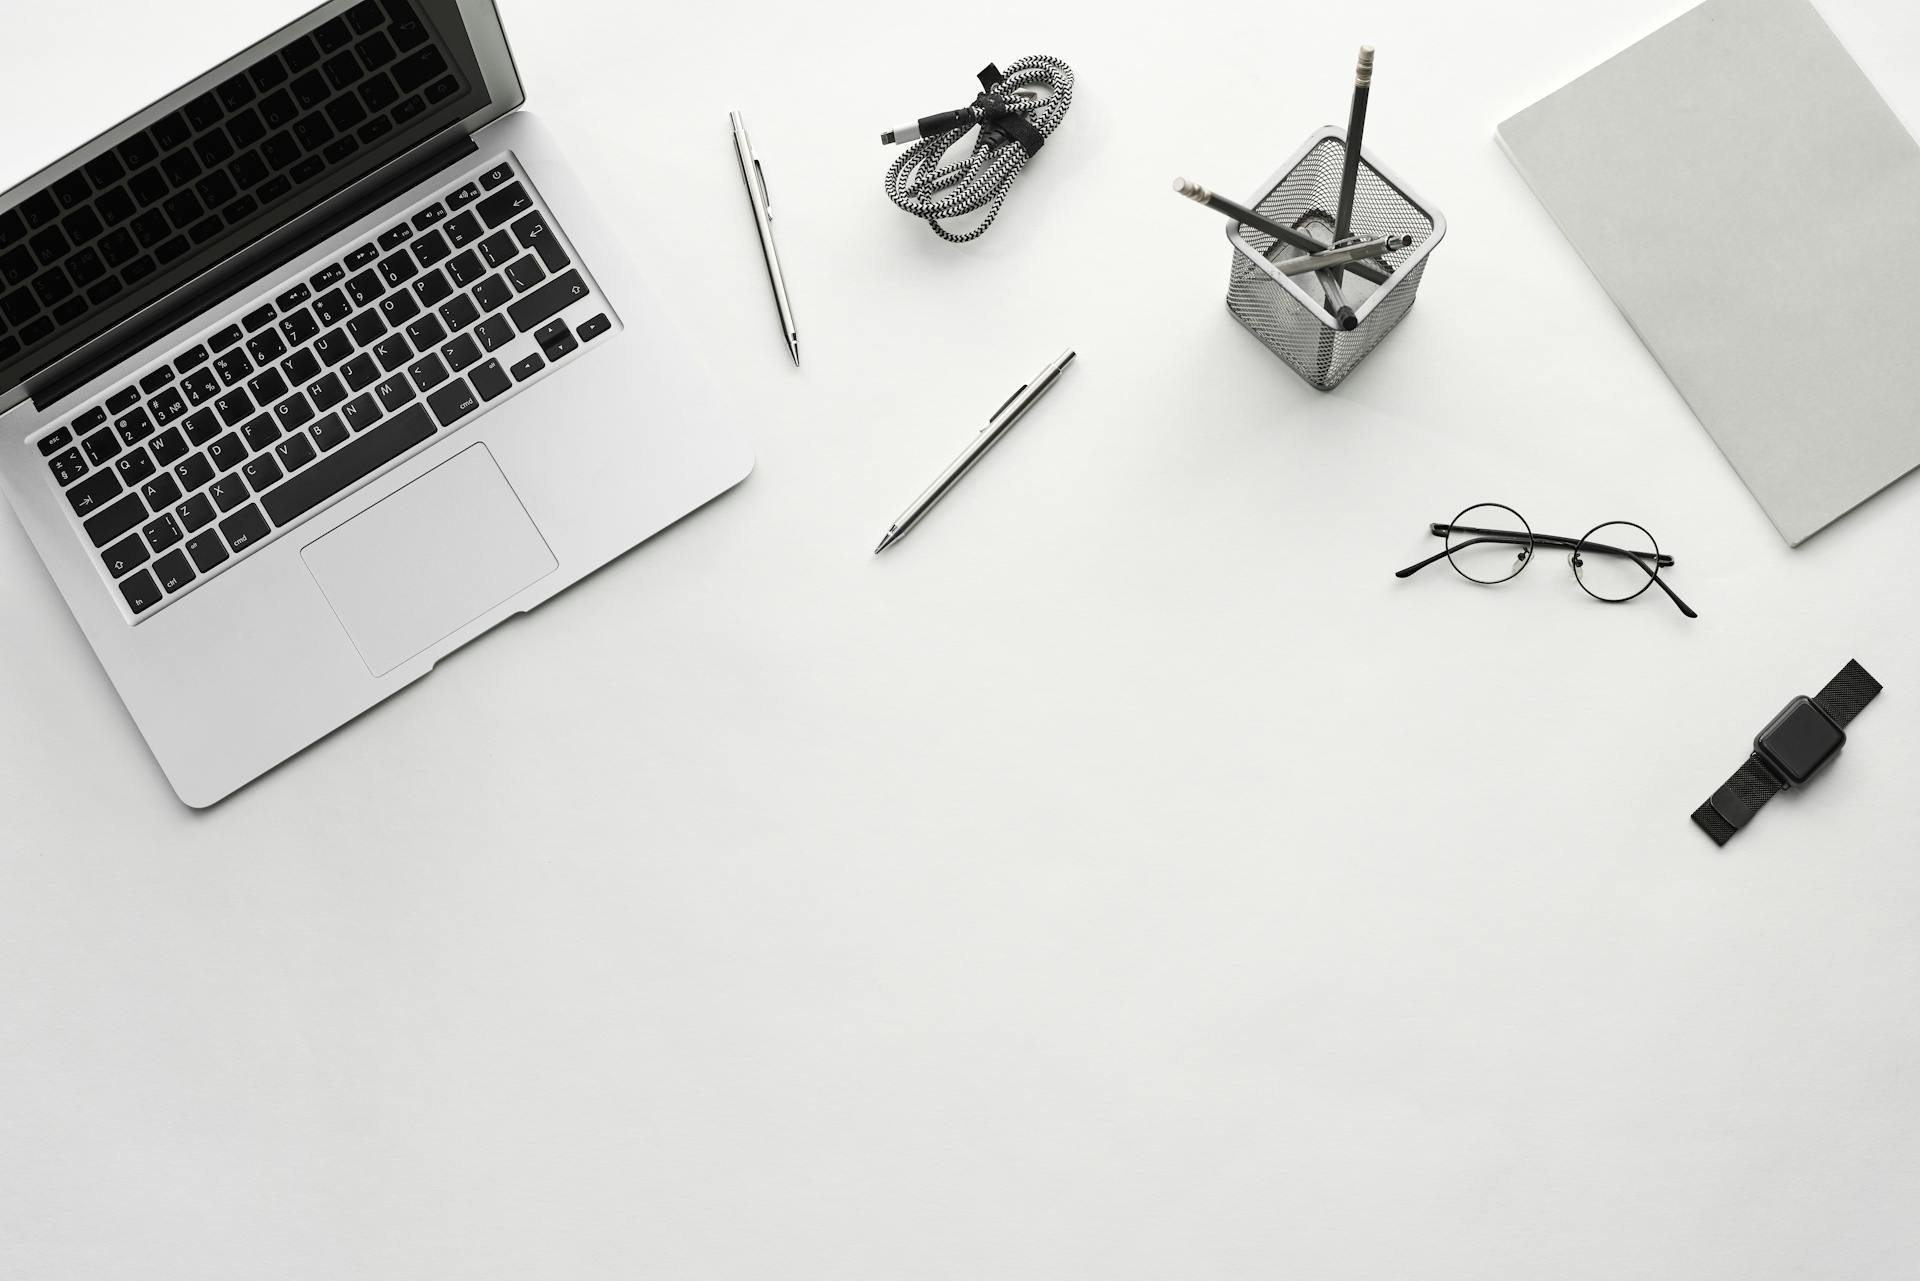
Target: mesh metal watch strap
<point>1847,693</point>
<point>1738,800</point>
<point>1753,785</point>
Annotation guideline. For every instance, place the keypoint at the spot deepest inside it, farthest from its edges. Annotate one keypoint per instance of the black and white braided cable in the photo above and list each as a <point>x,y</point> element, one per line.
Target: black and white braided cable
<point>1014,115</point>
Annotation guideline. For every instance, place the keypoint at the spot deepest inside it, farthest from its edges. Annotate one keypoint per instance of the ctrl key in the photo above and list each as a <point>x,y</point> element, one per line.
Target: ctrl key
<point>140,591</point>
<point>173,570</point>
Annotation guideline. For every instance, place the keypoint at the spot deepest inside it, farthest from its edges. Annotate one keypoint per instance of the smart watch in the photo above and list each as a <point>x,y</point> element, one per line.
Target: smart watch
<point>1795,745</point>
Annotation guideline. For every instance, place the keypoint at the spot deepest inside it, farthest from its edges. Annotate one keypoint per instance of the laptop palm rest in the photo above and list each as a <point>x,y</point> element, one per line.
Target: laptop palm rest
<point>418,566</point>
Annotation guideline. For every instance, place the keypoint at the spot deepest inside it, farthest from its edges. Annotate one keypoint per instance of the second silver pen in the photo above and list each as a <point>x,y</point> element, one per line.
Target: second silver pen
<point>997,426</point>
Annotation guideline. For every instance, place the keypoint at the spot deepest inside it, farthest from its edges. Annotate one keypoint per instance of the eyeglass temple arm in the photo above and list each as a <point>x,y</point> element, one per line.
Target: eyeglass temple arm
<point>1494,536</point>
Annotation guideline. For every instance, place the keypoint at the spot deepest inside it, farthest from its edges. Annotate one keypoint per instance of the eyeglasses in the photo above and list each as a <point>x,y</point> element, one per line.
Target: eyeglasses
<point>1614,562</point>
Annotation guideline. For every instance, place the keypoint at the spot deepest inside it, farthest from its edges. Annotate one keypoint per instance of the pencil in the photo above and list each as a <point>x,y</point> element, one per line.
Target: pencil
<point>1356,128</point>
<point>1259,222</point>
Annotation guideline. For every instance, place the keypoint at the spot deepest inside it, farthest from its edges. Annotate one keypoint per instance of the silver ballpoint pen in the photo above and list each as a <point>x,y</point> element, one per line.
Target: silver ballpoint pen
<point>997,426</point>
<point>756,179</point>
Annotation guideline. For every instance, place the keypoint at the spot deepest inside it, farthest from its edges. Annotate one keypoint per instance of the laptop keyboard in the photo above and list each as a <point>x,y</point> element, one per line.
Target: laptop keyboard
<point>320,383</point>
<point>212,165</point>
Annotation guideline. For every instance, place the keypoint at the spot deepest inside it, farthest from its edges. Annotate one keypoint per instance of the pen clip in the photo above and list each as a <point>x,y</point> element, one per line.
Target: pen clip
<point>766,196</point>
<point>994,417</point>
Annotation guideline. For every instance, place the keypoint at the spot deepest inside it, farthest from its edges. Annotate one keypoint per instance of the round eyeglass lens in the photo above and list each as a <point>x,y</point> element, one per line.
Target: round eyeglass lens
<point>1489,543</point>
<point>1616,561</point>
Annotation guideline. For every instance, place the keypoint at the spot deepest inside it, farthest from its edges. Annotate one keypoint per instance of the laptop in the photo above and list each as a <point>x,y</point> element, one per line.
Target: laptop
<point>323,366</point>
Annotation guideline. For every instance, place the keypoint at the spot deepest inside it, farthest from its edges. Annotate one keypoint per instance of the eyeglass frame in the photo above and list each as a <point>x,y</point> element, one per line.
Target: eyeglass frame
<point>1575,546</point>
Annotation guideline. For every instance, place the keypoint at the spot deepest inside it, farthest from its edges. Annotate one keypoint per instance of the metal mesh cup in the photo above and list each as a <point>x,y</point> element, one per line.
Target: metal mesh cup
<point>1288,313</point>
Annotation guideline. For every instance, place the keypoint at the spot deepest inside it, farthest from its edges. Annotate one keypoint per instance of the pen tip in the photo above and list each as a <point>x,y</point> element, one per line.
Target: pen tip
<point>793,345</point>
<point>884,543</point>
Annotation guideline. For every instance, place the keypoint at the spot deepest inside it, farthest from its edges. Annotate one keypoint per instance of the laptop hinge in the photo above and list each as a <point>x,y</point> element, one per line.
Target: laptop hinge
<point>190,300</point>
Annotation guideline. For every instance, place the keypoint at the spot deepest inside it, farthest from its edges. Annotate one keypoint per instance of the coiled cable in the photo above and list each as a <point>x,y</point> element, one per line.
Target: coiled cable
<point>1015,112</point>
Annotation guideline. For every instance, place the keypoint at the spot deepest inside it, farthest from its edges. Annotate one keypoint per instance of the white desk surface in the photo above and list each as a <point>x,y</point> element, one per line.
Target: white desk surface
<point>1124,878</point>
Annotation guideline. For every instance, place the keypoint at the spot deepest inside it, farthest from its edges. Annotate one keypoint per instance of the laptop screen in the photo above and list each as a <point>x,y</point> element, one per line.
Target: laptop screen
<point>184,185</point>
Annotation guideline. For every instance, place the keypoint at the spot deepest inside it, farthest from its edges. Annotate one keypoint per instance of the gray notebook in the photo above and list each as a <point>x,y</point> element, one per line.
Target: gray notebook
<point>1744,126</point>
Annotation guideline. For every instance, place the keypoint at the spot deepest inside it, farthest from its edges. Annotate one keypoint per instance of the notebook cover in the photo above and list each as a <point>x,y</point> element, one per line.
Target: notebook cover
<point>1739,136</point>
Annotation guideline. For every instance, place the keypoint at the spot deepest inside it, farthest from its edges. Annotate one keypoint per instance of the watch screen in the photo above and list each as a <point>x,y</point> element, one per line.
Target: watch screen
<point>1801,740</point>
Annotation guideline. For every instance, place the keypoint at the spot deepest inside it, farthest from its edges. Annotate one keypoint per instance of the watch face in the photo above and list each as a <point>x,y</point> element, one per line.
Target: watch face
<point>1800,740</point>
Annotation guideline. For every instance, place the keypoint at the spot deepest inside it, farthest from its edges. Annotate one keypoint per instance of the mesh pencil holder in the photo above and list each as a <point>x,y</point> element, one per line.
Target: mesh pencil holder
<point>1288,313</point>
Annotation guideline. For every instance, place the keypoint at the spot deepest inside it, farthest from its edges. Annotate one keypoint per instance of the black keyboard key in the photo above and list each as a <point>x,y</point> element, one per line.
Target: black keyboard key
<point>292,298</point>
<point>556,340</point>
<point>123,400</point>
<point>398,309</point>
<point>533,233</point>
<point>173,571</point>
<point>227,452</point>
<point>326,393</point>
<point>496,175</point>
<point>266,347</point>
<point>495,332</point>
<point>360,413</point>
<point>125,556</point>
<point>431,248</point>
<point>418,67</point>
<point>361,257</point>
<point>461,352</point>
<point>364,288</point>
<point>493,293</point>
<point>294,452</point>
<point>393,236</point>
<point>117,519</point>
<point>392,352</point>
<point>459,313</point>
<point>463,197</point>
<point>398,269</point>
<point>133,427</point>
<point>328,276</point>
<point>234,406</point>
<point>293,412</point>
<point>200,386</point>
<point>499,249</point>
<point>332,307</point>
<point>261,473</point>
<point>245,528</point>
<point>333,346</point>
<point>299,327</point>
<point>190,359</point>
<point>426,332</point>
<point>592,329</point>
<point>229,491</point>
<point>330,433</point>
<point>232,366</point>
<point>167,406</point>
<point>155,380</point>
<point>268,387</point>
<point>254,319</point>
<point>464,229</point>
<point>195,512</point>
<point>465,267</point>
<point>525,369</point>
<point>432,288</point>
<point>140,593</point>
<point>361,372</point>
<point>161,533</point>
<point>193,472</point>
<point>67,467</point>
<point>260,433</point>
<point>490,380</point>
<point>301,366</point>
<point>207,551</point>
<point>395,392</point>
<point>428,216</point>
<point>134,467</point>
<point>453,402</point>
<point>427,372</point>
<point>525,272</point>
<point>341,468</point>
<point>547,301</point>
<point>169,447</point>
<point>366,327</point>
<point>162,492</point>
<point>93,492</point>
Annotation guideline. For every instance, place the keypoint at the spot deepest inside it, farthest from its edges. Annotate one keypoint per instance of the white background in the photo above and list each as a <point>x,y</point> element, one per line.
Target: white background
<point>1126,876</point>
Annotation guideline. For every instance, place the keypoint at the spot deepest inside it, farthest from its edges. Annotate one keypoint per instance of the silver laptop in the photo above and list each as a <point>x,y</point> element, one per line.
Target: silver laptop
<point>318,369</point>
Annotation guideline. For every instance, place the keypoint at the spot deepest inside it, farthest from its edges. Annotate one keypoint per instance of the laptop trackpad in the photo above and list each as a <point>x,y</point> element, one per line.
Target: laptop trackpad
<point>418,566</point>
